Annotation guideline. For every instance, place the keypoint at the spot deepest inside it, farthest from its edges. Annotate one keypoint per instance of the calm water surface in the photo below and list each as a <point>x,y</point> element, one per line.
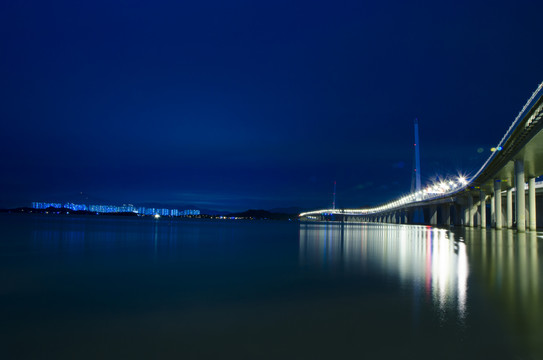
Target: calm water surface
<point>106,287</point>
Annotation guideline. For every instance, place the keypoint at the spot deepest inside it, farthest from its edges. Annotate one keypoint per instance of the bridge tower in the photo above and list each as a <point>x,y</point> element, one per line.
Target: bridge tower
<point>334,198</point>
<point>418,214</point>
<point>418,186</point>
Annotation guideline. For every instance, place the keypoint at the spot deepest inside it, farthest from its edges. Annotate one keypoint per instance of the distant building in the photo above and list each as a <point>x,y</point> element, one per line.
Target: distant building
<point>45,205</point>
<point>116,209</point>
<point>76,207</point>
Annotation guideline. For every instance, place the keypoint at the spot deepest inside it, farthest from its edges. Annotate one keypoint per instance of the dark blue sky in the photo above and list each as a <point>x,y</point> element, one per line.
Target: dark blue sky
<point>241,104</point>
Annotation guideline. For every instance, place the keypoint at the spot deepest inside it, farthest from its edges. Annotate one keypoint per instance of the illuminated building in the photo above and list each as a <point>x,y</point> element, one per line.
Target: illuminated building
<point>104,209</point>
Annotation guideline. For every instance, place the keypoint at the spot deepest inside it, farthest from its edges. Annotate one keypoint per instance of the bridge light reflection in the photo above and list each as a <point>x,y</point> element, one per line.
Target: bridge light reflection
<point>426,259</point>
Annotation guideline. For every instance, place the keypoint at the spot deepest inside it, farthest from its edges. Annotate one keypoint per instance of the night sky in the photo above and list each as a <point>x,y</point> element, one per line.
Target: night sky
<point>231,105</point>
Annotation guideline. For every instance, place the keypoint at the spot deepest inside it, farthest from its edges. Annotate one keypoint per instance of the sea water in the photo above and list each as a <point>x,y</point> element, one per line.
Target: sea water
<point>89,287</point>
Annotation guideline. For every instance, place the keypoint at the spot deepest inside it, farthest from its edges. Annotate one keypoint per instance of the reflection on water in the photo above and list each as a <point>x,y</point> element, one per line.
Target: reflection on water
<point>428,258</point>
<point>503,265</point>
<point>508,267</point>
<point>78,236</point>
<point>130,286</point>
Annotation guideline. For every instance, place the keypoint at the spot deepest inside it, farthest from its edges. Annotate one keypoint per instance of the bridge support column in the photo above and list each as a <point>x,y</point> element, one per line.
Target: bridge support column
<point>509,212</point>
<point>457,218</point>
<point>405,217</point>
<point>521,195</point>
<point>446,212</point>
<point>498,204</point>
<point>470,211</point>
<point>482,208</point>
<point>433,215</point>
<point>493,211</point>
<point>531,204</point>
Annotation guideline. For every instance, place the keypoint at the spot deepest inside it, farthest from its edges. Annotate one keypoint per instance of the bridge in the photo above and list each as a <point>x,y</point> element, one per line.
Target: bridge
<point>515,163</point>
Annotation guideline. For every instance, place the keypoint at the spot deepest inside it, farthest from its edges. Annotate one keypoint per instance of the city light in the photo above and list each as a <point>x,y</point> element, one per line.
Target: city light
<point>105,209</point>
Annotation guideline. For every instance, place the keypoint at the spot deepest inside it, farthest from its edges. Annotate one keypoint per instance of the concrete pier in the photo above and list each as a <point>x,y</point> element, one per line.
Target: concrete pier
<point>521,197</point>
<point>498,203</point>
<point>446,215</point>
<point>493,211</point>
<point>433,215</point>
<point>509,208</point>
<point>531,204</point>
<point>470,211</point>
<point>482,209</point>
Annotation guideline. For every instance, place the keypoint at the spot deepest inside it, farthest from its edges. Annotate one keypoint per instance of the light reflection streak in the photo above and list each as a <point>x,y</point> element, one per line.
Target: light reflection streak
<point>510,271</point>
<point>438,264</point>
<point>81,237</point>
<point>423,257</point>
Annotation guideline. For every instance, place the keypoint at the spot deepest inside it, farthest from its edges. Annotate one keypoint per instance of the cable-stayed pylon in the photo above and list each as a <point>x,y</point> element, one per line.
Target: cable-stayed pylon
<point>334,197</point>
<point>416,172</point>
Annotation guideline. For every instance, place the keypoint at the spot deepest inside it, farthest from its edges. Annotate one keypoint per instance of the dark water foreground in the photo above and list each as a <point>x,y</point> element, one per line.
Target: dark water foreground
<point>124,288</point>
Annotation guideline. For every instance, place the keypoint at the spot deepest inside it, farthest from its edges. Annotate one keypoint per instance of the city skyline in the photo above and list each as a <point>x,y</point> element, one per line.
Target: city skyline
<point>125,208</point>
